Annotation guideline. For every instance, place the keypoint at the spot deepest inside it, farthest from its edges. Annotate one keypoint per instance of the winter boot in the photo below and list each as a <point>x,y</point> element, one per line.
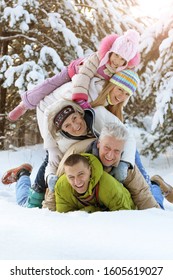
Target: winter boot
<point>13,174</point>
<point>17,112</point>
<point>167,189</point>
<point>36,196</point>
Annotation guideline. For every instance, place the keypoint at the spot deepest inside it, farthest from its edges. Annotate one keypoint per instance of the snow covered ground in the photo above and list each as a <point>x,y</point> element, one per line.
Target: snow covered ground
<point>39,234</point>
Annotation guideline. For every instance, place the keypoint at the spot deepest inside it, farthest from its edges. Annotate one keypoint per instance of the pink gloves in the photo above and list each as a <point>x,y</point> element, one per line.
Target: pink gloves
<point>83,104</point>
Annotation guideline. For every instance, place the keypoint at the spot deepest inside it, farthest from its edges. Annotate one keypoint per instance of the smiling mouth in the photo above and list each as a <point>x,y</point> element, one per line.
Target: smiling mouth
<point>79,187</point>
<point>115,65</point>
<point>108,159</point>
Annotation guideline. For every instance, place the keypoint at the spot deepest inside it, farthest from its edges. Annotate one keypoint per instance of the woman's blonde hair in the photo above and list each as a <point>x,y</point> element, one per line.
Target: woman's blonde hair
<point>117,110</point>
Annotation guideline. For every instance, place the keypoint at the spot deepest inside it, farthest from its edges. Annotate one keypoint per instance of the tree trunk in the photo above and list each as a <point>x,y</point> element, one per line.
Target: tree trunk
<point>3,92</point>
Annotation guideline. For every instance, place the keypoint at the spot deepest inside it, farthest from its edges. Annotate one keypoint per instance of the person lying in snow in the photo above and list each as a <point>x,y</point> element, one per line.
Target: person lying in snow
<point>113,139</point>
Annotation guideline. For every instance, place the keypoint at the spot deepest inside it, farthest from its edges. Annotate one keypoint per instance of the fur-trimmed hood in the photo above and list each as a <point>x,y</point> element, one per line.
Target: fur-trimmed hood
<point>126,46</point>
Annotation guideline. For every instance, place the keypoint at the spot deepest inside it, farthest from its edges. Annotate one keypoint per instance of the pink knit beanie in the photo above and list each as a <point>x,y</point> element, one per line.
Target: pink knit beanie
<point>126,46</point>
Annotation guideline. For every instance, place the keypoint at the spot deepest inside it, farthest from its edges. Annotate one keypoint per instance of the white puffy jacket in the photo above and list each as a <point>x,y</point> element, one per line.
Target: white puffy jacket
<point>56,144</point>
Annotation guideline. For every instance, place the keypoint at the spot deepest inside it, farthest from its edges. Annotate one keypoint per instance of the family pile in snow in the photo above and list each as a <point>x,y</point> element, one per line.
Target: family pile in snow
<point>91,163</point>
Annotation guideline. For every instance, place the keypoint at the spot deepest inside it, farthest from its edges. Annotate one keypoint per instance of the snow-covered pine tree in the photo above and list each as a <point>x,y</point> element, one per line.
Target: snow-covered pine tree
<point>40,37</point>
<point>155,94</point>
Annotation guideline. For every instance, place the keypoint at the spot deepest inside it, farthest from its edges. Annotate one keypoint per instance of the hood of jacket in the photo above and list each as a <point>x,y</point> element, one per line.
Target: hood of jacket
<point>96,172</point>
<point>54,133</point>
<point>56,107</point>
<point>50,131</point>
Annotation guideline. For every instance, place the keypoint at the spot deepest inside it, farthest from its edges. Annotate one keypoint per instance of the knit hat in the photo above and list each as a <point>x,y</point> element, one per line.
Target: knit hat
<point>125,46</point>
<point>63,115</point>
<point>127,80</point>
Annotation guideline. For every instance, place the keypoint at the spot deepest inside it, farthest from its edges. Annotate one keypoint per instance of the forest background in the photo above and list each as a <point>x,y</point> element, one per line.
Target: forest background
<point>39,38</point>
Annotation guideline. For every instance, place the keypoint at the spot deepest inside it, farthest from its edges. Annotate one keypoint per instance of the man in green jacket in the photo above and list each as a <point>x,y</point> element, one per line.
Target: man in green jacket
<point>109,149</point>
<point>85,186</point>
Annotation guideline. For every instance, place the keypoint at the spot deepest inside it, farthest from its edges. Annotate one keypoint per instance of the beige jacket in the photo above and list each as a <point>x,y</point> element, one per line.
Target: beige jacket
<point>81,81</point>
<point>49,201</point>
<point>139,190</point>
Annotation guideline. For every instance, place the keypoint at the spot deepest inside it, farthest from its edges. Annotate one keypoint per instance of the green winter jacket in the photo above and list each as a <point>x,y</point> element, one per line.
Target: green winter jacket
<point>112,195</point>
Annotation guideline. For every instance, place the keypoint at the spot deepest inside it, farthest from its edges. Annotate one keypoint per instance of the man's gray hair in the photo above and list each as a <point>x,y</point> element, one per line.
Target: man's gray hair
<point>116,130</point>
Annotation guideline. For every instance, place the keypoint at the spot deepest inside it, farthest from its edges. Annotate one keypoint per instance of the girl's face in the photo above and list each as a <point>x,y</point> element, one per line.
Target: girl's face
<point>116,61</point>
<point>118,95</point>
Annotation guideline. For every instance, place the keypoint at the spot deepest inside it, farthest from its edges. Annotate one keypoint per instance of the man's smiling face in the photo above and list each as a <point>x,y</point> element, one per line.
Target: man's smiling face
<point>110,150</point>
<point>78,176</point>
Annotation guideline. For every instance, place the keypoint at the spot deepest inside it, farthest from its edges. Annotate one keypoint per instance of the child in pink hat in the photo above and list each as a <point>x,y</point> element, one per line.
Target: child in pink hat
<point>115,54</point>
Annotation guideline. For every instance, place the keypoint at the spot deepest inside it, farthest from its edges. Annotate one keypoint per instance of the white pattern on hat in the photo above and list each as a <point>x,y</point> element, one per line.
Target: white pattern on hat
<point>125,46</point>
